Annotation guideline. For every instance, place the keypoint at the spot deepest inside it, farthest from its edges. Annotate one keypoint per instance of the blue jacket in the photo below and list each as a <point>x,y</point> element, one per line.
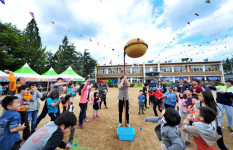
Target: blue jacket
<point>169,101</point>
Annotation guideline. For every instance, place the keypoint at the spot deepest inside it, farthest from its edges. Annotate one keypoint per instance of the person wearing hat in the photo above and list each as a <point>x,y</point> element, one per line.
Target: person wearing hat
<point>34,106</point>
<point>169,98</point>
<point>224,96</point>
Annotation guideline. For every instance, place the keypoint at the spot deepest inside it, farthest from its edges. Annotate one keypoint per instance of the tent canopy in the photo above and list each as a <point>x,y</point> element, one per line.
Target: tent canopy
<point>70,73</point>
<point>3,74</point>
<point>26,71</point>
<point>50,74</point>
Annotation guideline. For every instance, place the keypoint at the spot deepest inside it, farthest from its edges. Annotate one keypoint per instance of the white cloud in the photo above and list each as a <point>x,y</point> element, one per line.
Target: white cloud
<point>113,23</point>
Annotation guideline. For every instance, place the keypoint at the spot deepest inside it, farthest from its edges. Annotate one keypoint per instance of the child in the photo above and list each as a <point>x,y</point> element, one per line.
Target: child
<point>167,129</point>
<point>188,96</point>
<point>182,106</point>
<point>51,134</point>
<point>53,105</point>
<point>96,101</point>
<point>204,132</point>
<point>69,107</point>
<point>141,100</point>
<point>169,99</point>
<point>82,104</point>
<point>157,100</point>
<point>9,124</point>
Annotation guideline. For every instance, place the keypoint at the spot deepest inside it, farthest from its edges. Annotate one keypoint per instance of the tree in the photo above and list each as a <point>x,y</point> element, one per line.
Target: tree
<point>11,47</point>
<point>65,56</point>
<point>86,64</point>
<point>34,53</point>
<point>227,66</point>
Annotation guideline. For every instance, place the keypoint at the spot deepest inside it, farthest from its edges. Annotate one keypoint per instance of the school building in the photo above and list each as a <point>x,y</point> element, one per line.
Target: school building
<point>166,72</point>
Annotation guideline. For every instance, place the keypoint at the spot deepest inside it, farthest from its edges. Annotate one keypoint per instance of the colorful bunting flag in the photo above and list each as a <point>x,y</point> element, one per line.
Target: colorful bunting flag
<point>3,1</point>
<point>32,14</point>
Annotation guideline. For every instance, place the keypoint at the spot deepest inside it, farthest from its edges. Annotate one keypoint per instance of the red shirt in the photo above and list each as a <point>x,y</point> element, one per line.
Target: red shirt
<point>197,89</point>
<point>201,144</point>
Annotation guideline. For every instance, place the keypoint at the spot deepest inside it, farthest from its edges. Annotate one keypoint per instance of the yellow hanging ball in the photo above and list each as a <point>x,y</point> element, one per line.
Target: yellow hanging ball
<point>135,48</point>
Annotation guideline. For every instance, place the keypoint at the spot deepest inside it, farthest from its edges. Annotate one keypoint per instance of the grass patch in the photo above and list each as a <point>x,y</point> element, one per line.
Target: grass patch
<point>138,86</point>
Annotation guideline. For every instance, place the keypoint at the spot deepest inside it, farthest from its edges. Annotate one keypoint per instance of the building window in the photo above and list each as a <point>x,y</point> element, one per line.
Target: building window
<point>102,71</point>
<point>166,69</point>
<point>179,69</point>
<point>196,68</point>
<point>211,68</point>
<point>112,70</point>
<point>147,69</point>
<point>155,69</point>
<point>136,70</point>
<point>127,70</point>
<point>136,80</point>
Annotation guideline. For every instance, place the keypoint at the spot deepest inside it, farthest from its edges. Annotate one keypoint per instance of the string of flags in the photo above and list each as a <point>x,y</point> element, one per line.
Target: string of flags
<point>3,2</point>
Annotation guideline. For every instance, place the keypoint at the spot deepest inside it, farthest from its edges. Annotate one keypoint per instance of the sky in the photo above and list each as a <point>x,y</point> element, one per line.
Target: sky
<point>110,24</point>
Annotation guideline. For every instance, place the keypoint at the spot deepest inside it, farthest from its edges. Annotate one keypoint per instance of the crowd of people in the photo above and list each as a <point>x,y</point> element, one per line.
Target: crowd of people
<point>22,107</point>
<point>195,104</point>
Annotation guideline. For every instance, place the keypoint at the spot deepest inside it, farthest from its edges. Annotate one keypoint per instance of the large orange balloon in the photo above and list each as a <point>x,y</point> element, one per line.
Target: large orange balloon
<point>135,48</point>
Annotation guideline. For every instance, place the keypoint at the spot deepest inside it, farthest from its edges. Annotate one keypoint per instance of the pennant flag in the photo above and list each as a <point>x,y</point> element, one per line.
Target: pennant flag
<point>32,14</point>
<point>90,40</point>
<point>188,23</point>
<point>149,62</point>
<point>205,60</point>
<point>134,65</point>
<point>112,49</point>
<point>98,64</point>
<point>216,39</point>
<point>3,1</point>
<point>169,61</point>
<point>110,62</point>
<point>196,14</point>
<point>207,1</point>
<point>97,43</point>
<point>174,39</point>
<point>207,42</point>
<point>189,45</point>
<point>52,22</point>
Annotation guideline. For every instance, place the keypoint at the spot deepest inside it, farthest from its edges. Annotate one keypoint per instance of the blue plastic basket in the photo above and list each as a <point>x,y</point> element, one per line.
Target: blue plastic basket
<point>126,134</point>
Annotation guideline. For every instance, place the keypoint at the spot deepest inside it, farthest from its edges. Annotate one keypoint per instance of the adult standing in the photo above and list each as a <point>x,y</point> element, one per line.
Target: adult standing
<point>206,86</point>
<point>161,87</point>
<point>224,96</point>
<point>34,106</point>
<point>121,94</point>
<point>196,87</point>
<point>152,86</point>
<point>181,86</point>
<point>102,94</point>
<point>56,86</point>
<point>145,94</point>
<point>88,90</point>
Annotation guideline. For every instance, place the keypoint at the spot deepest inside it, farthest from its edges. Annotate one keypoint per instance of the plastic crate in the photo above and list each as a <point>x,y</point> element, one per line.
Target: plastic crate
<point>126,134</point>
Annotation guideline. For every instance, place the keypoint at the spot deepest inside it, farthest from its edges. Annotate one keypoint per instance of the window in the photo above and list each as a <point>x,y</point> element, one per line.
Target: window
<point>211,68</point>
<point>154,68</point>
<point>112,71</point>
<point>136,70</point>
<point>196,68</point>
<point>179,69</point>
<point>166,69</point>
<point>102,71</point>
<point>147,69</point>
<point>127,70</point>
<point>136,80</point>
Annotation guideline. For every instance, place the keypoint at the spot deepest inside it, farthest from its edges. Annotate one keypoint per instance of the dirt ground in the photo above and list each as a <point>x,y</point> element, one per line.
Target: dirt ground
<point>101,133</point>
